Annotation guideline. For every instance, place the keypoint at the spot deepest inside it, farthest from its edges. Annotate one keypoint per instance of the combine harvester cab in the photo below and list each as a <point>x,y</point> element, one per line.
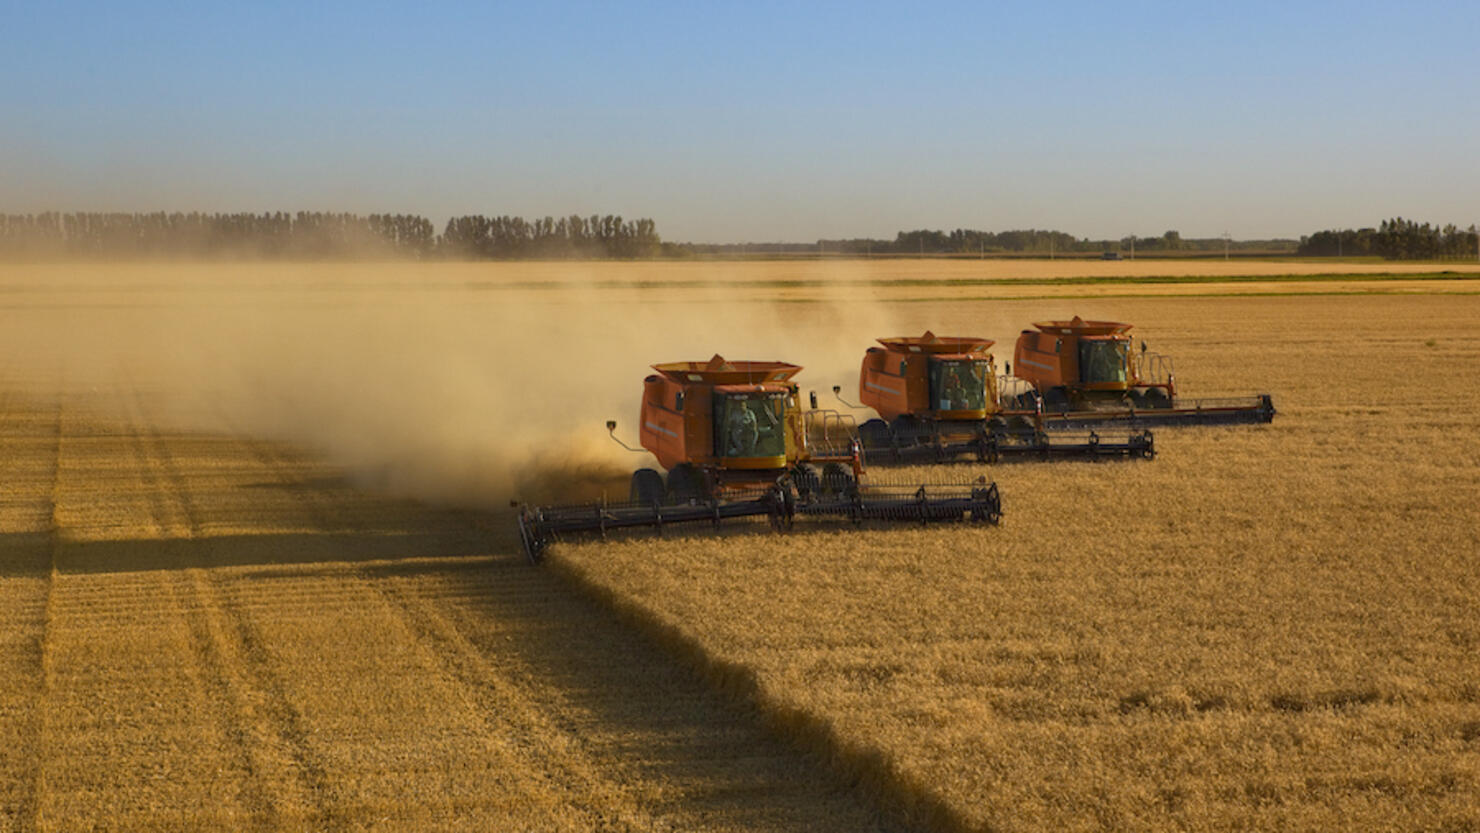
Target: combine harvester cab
<point>736,443</point>
<point>937,400</point>
<point>1081,374</point>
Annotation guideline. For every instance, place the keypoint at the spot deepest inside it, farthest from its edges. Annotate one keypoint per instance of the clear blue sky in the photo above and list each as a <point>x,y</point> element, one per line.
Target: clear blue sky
<point>754,121</point>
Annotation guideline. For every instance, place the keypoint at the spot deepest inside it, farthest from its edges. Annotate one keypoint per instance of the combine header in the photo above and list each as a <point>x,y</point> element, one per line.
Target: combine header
<point>1081,374</point>
<point>937,399</point>
<point>737,444</point>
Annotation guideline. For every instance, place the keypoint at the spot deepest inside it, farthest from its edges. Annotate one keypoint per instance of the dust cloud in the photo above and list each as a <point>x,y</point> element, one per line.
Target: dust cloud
<point>416,382</point>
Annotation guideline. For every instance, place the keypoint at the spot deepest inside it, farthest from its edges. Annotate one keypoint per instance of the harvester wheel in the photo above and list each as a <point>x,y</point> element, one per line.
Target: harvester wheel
<point>836,479</point>
<point>1055,400</point>
<point>906,431</point>
<point>1020,427</point>
<point>874,434</point>
<point>1157,398</point>
<point>530,538</point>
<point>807,481</point>
<point>685,484</point>
<point>1027,401</point>
<point>647,487</point>
<point>1136,398</point>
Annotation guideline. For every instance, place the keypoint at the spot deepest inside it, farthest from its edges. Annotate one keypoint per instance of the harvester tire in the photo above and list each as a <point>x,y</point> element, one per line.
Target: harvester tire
<point>685,484</point>
<point>1157,398</point>
<point>647,487</point>
<point>1021,428</point>
<point>836,479</point>
<point>906,430</point>
<point>807,481</point>
<point>874,433</point>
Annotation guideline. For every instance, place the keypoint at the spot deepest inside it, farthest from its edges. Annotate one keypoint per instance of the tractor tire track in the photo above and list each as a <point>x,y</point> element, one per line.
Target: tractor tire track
<point>556,752</point>
<point>447,606</point>
<point>268,727</point>
<point>542,745</point>
<point>516,743</point>
<point>29,617</point>
<point>257,715</point>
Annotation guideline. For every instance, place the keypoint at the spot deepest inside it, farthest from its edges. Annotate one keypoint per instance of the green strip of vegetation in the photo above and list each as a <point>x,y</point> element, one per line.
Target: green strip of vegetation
<point>1087,280</point>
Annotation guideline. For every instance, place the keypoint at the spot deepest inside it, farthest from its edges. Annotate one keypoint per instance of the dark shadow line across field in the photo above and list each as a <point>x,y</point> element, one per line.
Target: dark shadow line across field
<point>658,713</point>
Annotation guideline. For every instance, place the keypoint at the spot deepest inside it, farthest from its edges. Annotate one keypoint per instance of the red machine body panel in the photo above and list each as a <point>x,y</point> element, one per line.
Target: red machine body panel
<point>678,421</point>
<point>1079,355</point>
<point>896,379</point>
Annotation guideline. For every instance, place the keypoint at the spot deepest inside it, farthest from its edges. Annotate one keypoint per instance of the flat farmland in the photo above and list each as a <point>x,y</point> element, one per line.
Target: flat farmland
<point>1269,627</point>
<point>257,570</point>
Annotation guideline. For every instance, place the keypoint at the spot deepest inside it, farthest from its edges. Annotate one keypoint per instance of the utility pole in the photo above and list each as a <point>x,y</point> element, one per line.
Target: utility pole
<point>1226,238</point>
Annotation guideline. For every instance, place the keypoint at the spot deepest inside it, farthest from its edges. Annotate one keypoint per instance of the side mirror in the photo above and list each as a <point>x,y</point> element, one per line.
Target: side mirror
<point>1007,368</point>
<point>837,389</point>
<point>1143,347</point>
<point>611,428</point>
<point>812,395</point>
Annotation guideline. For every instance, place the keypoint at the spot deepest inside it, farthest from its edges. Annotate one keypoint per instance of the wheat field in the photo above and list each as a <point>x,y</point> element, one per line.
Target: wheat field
<point>257,570</point>
<point>1269,627</point>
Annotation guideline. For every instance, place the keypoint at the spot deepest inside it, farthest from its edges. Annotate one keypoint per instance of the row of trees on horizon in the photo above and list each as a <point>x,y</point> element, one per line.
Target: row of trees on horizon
<point>1395,239</point>
<point>321,235</point>
<point>1045,242</point>
<point>343,236</point>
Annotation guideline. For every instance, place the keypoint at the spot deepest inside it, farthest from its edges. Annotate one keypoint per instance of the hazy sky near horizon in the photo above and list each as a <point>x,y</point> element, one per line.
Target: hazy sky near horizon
<point>754,121</point>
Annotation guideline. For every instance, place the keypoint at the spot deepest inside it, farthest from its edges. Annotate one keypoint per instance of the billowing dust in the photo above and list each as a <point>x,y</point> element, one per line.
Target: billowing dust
<point>458,392</point>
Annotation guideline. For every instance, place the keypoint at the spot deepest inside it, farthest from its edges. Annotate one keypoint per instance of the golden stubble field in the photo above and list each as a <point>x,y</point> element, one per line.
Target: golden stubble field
<point>253,573</point>
<point>1270,628</point>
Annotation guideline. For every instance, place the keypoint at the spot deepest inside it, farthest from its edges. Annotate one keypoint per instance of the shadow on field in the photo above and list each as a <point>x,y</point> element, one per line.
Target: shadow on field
<point>406,531</point>
<point>654,724</point>
<point>25,554</point>
<point>515,639</point>
<point>303,548</point>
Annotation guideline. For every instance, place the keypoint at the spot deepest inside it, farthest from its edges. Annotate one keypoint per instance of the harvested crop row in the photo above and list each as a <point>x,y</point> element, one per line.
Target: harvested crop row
<point>234,638</point>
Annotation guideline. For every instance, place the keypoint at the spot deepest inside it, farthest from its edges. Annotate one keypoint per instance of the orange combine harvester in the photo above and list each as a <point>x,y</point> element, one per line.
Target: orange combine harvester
<point>937,401</point>
<point>736,443</point>
<point>1080,373</point>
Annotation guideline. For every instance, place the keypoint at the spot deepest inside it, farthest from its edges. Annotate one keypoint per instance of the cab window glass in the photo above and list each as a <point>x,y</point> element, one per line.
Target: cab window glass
<point>751,425</point>
<point>958,384</point>
<point>1102,361</point>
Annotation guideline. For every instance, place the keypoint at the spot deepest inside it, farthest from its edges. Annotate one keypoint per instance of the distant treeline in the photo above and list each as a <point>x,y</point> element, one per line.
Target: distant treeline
<point>308,235</point>
<point>1395,239</point>
<point>479,237</point>
<point>319,235</point>
<point>970,242</point>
